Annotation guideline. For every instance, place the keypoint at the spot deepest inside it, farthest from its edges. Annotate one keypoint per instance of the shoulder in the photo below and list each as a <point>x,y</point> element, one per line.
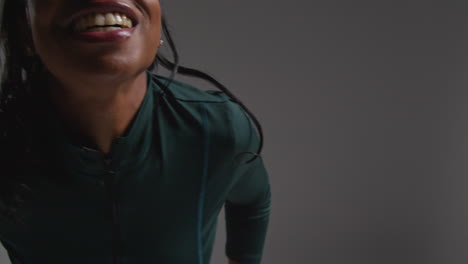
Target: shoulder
<point>188,93</point>
<point>227,123</point>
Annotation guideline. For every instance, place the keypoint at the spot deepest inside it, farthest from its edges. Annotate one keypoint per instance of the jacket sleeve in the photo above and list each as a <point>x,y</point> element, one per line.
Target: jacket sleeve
<point>247,208</point>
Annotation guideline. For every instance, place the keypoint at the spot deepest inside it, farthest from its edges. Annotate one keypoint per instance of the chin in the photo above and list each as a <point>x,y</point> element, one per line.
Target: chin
<point>106,68</point>
<point>110,74</point>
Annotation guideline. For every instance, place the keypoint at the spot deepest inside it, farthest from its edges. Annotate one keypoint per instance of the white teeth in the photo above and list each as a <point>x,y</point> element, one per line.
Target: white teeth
<point>118,19</point>
<point>110,19</point>
<point>125,21</point>
<point>88,22</point>
<point>99,20</point>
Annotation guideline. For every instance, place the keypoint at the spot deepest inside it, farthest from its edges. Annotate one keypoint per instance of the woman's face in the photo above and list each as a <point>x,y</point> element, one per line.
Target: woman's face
<point>105,40</point>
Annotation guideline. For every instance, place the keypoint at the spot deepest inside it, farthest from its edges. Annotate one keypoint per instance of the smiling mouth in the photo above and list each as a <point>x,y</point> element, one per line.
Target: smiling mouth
<point>102,22</point>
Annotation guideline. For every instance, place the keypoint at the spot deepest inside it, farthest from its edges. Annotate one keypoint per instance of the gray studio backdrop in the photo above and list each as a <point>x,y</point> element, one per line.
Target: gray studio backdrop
<point>364,108</point>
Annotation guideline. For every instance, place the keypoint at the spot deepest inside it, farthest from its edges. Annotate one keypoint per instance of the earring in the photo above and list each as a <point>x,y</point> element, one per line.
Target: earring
<point>161,42</point>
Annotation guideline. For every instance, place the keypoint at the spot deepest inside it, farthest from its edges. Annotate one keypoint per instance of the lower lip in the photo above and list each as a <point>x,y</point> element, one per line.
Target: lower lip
<point>107,36</point>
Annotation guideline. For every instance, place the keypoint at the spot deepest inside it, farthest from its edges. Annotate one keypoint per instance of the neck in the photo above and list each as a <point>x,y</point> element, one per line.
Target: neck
<point>95,113</point>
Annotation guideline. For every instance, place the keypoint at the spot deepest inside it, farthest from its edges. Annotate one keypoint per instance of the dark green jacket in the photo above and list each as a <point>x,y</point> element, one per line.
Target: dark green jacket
<point>156,197</point>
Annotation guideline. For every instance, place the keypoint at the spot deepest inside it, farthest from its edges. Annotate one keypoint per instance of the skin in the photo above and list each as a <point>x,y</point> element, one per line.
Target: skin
<point>96,87</point>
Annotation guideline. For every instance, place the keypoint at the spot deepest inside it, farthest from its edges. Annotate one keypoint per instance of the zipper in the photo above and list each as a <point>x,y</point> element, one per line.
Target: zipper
<point>109,182</point>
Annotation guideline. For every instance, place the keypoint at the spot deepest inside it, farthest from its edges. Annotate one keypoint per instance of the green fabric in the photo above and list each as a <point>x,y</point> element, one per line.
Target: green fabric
<point>173,167</point>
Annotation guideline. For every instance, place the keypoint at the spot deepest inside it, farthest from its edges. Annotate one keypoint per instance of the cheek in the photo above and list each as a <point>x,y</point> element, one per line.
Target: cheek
<point>152,27</point>
<point>43,31</point>
<point>152,9</point>
<point>46,46</point>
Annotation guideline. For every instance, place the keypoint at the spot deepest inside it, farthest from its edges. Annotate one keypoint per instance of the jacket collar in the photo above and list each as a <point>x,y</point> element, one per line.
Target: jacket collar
<point>127,151</point>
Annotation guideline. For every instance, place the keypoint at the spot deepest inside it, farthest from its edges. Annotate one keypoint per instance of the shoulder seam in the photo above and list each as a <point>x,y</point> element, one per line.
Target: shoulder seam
<point>221,97</point>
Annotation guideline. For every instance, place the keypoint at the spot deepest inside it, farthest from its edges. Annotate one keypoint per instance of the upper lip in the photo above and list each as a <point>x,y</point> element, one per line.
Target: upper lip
<point>103,7</point>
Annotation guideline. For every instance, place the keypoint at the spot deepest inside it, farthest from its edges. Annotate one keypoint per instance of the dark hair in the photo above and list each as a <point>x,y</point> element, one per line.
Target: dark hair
<point>16,80</point>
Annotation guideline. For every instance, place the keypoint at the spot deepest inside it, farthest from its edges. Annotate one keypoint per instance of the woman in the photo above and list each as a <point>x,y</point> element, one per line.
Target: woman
<point>104,161</point>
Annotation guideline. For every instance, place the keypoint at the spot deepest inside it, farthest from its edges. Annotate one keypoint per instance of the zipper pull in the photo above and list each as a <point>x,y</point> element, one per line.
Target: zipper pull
<point>107,161</point>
